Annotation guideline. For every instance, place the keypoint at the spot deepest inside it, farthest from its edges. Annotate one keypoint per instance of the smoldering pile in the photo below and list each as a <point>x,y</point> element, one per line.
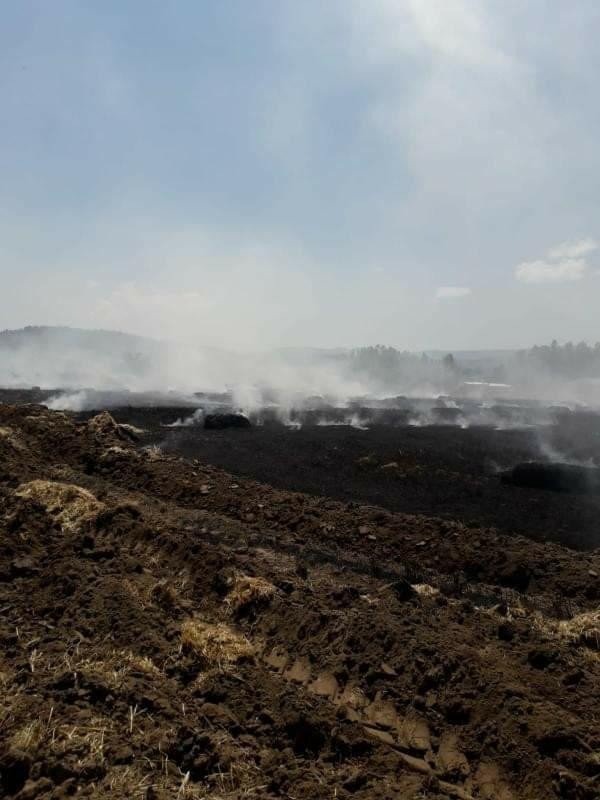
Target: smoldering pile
<point>556,477</point>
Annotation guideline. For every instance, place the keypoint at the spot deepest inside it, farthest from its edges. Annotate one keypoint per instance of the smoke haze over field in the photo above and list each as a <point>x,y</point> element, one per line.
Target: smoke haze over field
<point>96,368</point>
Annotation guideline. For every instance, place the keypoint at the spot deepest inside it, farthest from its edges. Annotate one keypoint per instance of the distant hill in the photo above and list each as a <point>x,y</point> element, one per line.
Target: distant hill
<point>44,336</point>
<point>74,357</point>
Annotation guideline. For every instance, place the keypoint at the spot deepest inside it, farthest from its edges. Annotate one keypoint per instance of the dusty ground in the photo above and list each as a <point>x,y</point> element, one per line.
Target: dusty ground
<point>169,630</point>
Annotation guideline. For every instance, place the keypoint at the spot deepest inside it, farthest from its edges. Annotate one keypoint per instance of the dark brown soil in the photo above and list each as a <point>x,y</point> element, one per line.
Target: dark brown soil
<point>171,631</point>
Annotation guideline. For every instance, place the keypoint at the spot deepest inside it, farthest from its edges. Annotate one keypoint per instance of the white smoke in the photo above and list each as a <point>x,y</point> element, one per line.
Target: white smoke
<point>134,371</point>
<point>555,455</point>
<point>349,421</point>
<point>197,418</point>
<point>73,401</point>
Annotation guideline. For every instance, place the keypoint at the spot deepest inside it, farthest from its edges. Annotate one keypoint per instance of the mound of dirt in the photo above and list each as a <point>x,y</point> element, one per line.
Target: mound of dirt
<point>171,631</point>
<point>221,421</point>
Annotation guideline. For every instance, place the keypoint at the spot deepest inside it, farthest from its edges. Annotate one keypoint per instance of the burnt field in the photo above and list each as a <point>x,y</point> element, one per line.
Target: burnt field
<point>443,470</point>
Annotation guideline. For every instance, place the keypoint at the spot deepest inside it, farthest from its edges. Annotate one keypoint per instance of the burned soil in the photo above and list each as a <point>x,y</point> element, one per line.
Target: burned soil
<point>172,630</point>
<point>444,470</point>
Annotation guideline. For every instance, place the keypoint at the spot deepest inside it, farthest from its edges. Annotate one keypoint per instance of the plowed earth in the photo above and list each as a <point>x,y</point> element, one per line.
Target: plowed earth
<point>170,631</point>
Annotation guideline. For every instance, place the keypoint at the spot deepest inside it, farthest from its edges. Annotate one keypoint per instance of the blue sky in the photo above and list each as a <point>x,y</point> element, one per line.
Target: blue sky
<point>420,172</point>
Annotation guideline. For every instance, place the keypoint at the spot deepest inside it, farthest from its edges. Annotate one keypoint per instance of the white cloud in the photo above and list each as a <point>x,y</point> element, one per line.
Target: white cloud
<point>573,249</point>
<point>454,28</point>
<point>445,292</point>
<point>563,263</point>
<point>571,269</point>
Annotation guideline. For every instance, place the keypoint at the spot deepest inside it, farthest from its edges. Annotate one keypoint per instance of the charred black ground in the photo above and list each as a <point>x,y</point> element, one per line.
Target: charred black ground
<point>444,470</point>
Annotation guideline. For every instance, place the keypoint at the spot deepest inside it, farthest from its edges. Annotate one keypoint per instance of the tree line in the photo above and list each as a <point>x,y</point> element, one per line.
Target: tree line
<point>388,367</point>
<point>568,360</point>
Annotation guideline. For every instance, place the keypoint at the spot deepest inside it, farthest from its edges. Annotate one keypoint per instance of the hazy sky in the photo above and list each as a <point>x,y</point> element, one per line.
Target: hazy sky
<point>424,173</point>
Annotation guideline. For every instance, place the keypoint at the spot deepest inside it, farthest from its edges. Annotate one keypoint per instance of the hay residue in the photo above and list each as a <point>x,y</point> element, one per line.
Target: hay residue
<point>116,667</point>
<point>13,439</point>
<point>114,450</point>
<point>247,591</point>
<point>218,645</point>
<point>154,452</point>
<point>582,629</point>
<point>29,737</point>
<point>69,505</point>
<point>425,589</point>
<point>132,430</point>
<point>102,423</point>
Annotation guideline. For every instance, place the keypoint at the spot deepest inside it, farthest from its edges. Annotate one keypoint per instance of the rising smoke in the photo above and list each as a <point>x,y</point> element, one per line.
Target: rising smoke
<point>80,370</point>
